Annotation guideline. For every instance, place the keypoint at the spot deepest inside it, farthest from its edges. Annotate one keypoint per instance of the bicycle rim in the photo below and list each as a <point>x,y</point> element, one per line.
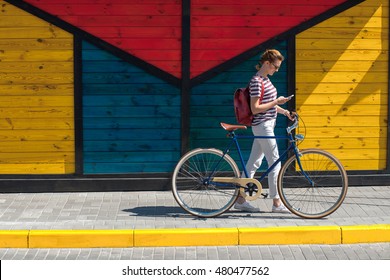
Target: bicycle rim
<point>192,189</point>
<point>318,189</point>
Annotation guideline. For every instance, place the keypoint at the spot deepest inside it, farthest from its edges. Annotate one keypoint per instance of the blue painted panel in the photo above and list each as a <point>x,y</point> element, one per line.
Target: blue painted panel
<point>131,119</point>
<point>212,103</point>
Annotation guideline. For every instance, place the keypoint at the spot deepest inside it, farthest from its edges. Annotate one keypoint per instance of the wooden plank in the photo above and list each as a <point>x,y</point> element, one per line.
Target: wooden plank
<point>37,67</point>
<point>36,44</point>
<point>35,101</point>
<point>46,32</point>
<point>335,77</point>
<point>123,168</point>
<point>34,90</point>
<point>348,109</point>
<point>36,157</point>
<point>339,100</point>
<point>355,43</point>
<point>367,164</point>
<point>343,33</point>
<point>374,90</point>
<point>135,20</point>
<point>130,134</point>
<point>41,112</point>
<point>123,123</point>
<point>340,121</point>
<point>341,66</point>
<point>132,111</point>
<point>36,135</point>
<point>352,55</point>
<point>129,157</point>
<point>125,9</point>
<point>136,100</point>
<point>36,146</point>
<point>344,132</point>
<point>347,143</point>
<point>52,168</point>
<point>42,124</point>
<point>133,88</point>
<point>36,55</point>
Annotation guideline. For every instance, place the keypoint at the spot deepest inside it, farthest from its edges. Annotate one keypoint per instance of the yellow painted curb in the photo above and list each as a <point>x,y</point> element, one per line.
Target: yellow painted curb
<point>365,234</point>
<point>186,237</point>
<point>14,238</point>
<point>81,238</point>
<point>290,235</point>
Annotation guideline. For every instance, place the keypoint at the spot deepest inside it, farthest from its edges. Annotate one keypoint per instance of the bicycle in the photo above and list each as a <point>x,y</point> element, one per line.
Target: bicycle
<point>312,183</point>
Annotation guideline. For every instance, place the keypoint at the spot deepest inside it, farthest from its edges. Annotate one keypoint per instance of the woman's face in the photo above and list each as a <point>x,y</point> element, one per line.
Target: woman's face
<point>273,66</point>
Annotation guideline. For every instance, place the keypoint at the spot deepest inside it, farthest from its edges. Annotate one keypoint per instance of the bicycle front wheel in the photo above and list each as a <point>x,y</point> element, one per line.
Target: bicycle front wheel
<point>192,184</point>
<point>313,187</point>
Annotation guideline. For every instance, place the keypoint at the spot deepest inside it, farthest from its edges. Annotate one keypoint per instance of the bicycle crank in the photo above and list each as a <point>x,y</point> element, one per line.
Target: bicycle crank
<point>250,189</point>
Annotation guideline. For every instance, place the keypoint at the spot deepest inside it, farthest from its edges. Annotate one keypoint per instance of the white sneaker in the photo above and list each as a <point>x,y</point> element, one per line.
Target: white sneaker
<point>280,209</point>
<point>246,207</point>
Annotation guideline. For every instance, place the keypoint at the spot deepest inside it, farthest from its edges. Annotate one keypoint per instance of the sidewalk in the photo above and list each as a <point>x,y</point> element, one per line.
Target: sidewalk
<point>141,219</point>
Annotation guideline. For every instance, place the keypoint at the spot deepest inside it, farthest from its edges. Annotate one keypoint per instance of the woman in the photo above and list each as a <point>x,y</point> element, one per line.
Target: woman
<point>265,113</point>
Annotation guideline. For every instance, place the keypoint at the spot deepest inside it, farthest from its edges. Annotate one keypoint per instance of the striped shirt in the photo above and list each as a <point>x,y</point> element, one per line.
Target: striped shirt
<point>270,94</point>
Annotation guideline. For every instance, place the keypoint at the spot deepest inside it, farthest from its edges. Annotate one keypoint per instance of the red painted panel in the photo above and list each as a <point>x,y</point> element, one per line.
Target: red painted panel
<point>151,29</point>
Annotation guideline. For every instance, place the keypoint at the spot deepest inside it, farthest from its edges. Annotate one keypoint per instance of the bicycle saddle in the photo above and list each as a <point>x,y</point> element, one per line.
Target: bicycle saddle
<point>232,127</point>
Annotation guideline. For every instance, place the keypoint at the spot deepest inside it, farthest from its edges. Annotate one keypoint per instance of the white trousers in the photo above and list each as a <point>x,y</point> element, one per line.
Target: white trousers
<point>267,148</point>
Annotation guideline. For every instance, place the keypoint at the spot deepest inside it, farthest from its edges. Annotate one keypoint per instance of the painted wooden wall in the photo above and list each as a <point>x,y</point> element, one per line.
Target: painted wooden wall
<point>36,95</point>
<point>131,119</point>
<point>166,70</point>
<point>211,103</point>
<point>343,85</point>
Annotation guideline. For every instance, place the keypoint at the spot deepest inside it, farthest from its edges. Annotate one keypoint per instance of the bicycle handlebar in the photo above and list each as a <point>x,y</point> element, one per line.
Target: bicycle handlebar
<point>294,125</point>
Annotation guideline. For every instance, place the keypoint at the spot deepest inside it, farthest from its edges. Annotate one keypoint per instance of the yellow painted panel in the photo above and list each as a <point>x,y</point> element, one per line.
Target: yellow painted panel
<point>36,135</point>
<point>378,90</point>
<point>342,85</point>
<point>345,110</point>
<point>340,121</point>
<point>337,77</point>
<point>27,90</point>
<point>368,233</point>
<point>33,168</point>
<point>36,55</point>
<point>336,34</point>
<point>81,238</point>
<point>32,124</point>
<point>36,95</point>
<point>14,238</point>
<point>322,43</point>
<point>345,132</point>
<point>39,67</point>
<point>36,112</point>
<point>351,143</point>
<point>35,78</point>
<point>41,102</point>
<point>38,157</point>
<point>35,44</point>
<point>341,66</point>
<point>342,100</point>
<point>340,55</point>
<point>186,237</point>
<point>290,235</point>
<point>47,32</point>
<point>39,146</point>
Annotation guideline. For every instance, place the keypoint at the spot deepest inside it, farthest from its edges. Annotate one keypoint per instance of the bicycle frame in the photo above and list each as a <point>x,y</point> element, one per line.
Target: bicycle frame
<point>234,140</point>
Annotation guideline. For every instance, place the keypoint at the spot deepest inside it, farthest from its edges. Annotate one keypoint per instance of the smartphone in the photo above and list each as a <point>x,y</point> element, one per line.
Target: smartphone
<point>291,96</point>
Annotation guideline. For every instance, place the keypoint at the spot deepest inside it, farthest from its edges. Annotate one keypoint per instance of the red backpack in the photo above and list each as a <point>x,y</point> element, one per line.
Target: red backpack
<point>242,105</point>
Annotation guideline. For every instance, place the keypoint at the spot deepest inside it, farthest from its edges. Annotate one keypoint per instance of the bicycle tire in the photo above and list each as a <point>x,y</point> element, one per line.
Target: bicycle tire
<point>192,189</point>
<point>307,200</point>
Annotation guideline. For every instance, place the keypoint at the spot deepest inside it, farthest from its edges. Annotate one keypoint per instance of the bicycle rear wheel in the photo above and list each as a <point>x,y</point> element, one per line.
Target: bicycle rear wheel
<point>314,189</point>
<point>192,184</point>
